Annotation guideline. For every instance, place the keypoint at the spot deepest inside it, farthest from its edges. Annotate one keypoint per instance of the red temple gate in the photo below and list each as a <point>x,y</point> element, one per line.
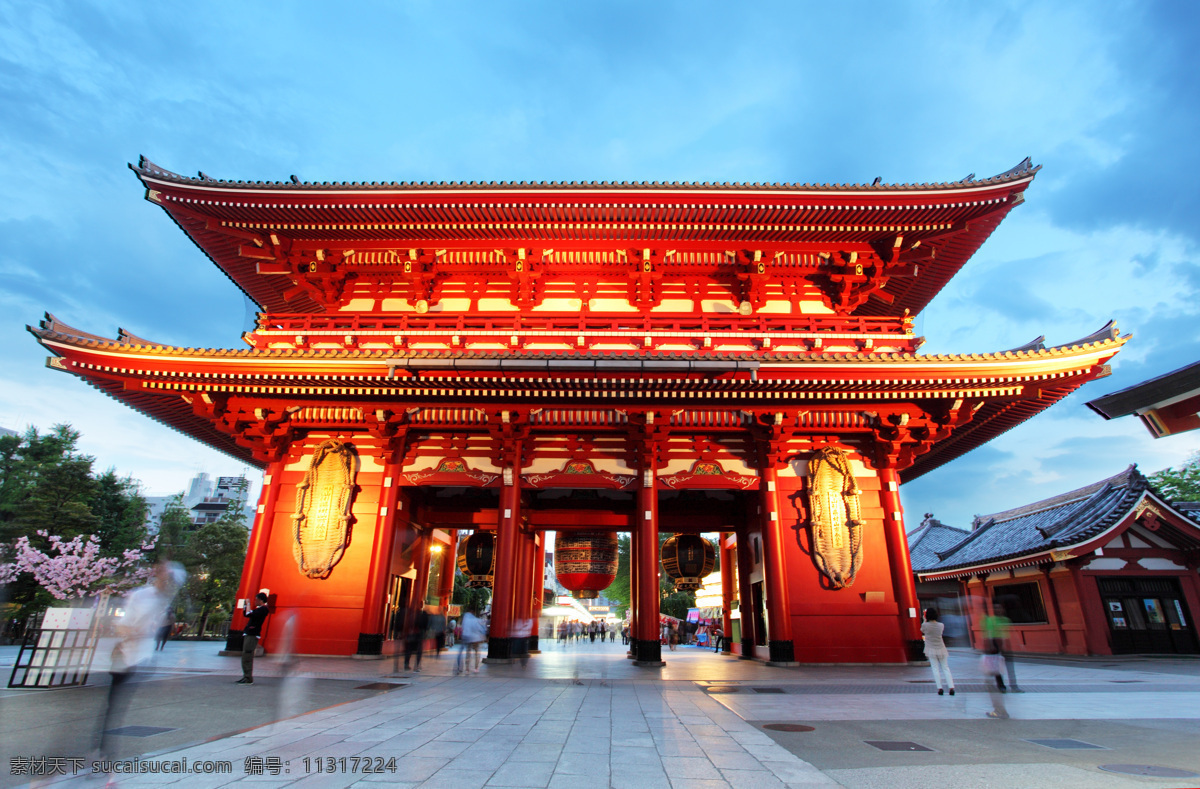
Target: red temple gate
<point>643,358</point>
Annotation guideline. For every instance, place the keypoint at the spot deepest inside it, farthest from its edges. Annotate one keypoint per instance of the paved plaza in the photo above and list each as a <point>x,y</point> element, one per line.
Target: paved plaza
<point>583,716</point>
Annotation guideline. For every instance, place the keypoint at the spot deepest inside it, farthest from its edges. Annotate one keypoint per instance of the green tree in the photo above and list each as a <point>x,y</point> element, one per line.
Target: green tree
<point>619,590</point>
<point>174,527</point>
<point>470,599</point>
<point>13,486</point>
<point>213,556</point>
<point>676,604</point>
<point>672,602</point>
<point>121,511</point>
<point>47,485</point>
<point>1179,483</point>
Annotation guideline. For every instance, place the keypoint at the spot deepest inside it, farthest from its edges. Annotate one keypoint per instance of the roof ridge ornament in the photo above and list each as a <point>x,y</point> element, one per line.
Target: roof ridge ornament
<point>1036,344</point>
<point>1107,332</point>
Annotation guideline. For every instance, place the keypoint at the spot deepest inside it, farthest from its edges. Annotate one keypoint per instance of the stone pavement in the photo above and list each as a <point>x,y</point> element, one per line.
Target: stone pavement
<point>582,716</point>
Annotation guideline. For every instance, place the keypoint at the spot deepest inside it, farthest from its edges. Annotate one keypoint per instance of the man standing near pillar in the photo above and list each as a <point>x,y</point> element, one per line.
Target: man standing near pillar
<point>250,635</point>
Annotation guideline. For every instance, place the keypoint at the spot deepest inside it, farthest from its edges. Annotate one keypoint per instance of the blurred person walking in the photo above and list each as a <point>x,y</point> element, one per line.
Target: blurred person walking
<point>414,639</point>
<point>992,665</point>
<point>437,623</point>
<point>136,633</point>
<point>935,650</point>
<point>996,631</point>
<point>473,634</point>
<point>164,630</point>
<point>519,635</point>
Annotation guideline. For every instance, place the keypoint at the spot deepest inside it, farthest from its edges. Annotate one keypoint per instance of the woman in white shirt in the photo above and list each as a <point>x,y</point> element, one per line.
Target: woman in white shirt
<point>935,650</point>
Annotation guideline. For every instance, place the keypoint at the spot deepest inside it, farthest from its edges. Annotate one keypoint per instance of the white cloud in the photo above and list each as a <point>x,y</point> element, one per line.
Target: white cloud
<point>162,459</point>
<point>1081,279</point>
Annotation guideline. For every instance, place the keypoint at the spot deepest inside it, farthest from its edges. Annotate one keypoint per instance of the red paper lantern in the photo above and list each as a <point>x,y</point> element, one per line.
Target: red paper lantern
<point>477,558</point>
<point>586,562</point>
<point>687,558</point>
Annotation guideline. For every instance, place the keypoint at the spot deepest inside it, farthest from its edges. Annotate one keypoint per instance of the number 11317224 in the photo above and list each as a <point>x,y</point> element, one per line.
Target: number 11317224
<point>349,764</point>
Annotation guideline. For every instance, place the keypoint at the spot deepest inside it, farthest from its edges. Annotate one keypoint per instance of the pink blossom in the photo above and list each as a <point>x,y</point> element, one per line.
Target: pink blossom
<point>75,568</point>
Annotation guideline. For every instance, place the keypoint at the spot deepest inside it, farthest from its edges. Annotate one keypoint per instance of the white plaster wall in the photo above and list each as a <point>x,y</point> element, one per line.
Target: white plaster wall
<point>675,305</point>
<point>814,307</point>
<point>611,305</point>
<point>1158,563</point>
<point>559,305</point>
<point>1105,563</point>
<point>450,305</point>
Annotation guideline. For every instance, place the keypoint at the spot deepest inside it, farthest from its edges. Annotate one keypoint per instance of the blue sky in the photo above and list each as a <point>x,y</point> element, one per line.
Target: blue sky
<point>1103,95</point>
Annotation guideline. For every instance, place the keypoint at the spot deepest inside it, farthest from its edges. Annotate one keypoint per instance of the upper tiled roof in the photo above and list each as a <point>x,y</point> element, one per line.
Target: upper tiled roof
<point>938,226</point>
<point>1066,519</point>
<point>149,169</point>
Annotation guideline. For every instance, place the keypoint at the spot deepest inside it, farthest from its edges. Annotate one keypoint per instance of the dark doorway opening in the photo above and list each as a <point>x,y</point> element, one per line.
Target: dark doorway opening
<point>1147,615</point>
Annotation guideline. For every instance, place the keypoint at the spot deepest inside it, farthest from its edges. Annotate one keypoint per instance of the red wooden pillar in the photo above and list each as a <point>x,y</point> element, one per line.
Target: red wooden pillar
<point>1095,623</point>
<point>727,561</point>
<point>523,588</point>
<point>781,648</point>
<point>260,538</point>
<point>633,594</point>
<point>371,631</point>
<point>420,555</point>
<point>539,588</point>
<point>647,649</point>
<point>985,606</point>
<point>1190,585</point>
<point>504,587</point>
<point>446,582</point>
<point>416,595</point>
<point>1055,612</point>
<point>972,610</point>
<point>904,586</point>
<point>745,560</point>
<point>539,575</point>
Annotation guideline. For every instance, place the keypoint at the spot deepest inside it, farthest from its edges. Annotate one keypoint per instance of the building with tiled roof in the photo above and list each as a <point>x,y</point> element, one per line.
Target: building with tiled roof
<point>1108,568</point>
<point>1167,404</point>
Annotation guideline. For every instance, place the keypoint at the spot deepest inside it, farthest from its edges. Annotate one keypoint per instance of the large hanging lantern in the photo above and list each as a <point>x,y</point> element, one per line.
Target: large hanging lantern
<point>837,525</point>
<point>477,558</point>
<point>586,562</point>
<point>687,558</point>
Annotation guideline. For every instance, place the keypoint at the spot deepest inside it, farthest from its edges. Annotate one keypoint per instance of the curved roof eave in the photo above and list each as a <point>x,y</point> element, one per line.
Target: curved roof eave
<point>145,169</point>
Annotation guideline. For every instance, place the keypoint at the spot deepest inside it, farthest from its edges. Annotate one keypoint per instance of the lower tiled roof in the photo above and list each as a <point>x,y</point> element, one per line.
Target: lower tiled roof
<point>929,538</point>
<point>1066,519</point>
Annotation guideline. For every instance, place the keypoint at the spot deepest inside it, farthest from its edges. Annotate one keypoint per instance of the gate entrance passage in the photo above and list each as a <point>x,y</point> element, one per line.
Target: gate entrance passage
<point>733,358</point>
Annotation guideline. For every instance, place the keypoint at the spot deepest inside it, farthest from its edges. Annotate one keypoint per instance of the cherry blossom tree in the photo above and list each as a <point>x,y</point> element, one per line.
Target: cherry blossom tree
<point>75,568</point>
